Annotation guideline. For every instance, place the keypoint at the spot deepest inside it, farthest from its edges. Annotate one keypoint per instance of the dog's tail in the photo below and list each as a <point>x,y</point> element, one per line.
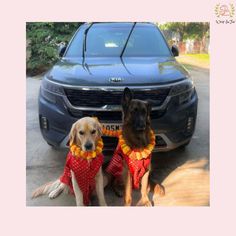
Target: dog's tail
<point>53,189</point>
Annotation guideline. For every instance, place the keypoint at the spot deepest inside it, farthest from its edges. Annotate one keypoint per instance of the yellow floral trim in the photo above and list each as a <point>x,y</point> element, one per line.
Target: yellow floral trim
<point>77,152</point>
<point>135,154</point>
<point>112,133</point>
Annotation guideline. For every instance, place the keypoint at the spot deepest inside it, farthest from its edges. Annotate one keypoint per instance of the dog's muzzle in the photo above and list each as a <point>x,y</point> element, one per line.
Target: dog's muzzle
<point>88,146</point>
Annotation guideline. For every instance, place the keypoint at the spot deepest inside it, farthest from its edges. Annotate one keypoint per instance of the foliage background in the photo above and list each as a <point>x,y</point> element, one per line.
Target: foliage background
<point>43,39</point>
<point>188,30</point>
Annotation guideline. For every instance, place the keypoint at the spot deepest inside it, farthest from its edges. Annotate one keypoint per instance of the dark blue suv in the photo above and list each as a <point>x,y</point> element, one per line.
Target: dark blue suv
<point>95,67</point>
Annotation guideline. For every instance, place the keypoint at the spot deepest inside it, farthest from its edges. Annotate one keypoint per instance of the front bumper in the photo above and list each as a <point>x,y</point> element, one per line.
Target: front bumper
<point>173,128</point>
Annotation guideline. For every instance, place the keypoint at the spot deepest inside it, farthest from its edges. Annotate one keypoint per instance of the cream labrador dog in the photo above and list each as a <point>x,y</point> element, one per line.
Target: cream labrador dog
<point>85,133</point>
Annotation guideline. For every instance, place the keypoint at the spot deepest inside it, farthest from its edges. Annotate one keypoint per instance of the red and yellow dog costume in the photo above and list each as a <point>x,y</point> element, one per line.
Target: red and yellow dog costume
<point>85,166</point>
<point>138,161</point>
<point>85,172</point>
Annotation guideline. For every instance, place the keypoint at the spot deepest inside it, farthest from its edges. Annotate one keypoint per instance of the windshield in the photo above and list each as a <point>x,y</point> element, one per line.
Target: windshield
<point>109,40</point>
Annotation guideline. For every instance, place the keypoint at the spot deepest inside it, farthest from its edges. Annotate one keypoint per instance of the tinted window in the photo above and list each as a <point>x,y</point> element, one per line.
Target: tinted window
<point>146,41</point>
<point>76,47</point>
<point>104,39</point>
<point>107,39</point>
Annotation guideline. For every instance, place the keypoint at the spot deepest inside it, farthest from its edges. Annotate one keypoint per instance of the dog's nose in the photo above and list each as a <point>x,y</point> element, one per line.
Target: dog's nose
<point>140,127</point>
<point>88,146</point>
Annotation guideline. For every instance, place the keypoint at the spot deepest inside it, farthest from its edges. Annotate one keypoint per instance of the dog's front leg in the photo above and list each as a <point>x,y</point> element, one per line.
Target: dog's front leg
<point>100,188</point>
<point>77,191</point>
<point>144,201</point>
<point>57,190</point>
<point>128,189</point>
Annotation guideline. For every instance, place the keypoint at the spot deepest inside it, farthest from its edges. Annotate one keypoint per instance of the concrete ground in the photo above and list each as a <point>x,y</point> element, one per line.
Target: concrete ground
<point>184,172</point>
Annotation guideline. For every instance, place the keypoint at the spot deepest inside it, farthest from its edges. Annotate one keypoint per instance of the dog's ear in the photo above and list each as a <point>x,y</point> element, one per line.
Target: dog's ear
<point>126,98</point>
<point>72,135</point>
<point>149,109</point>
<point>98,127</point>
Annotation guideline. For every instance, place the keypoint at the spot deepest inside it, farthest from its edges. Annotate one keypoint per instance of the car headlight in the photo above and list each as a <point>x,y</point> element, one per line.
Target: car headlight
<point>49,90</point>
<point>186,96</point>
<point>182,87</point>
<point>184,91</point>
<point>52,87</point>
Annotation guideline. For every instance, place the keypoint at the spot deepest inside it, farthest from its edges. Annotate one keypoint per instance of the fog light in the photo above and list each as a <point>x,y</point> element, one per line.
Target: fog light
<point>190,124</point>
<point>44,123</point>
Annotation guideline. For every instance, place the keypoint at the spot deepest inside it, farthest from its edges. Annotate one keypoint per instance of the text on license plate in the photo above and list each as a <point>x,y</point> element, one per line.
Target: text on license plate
<point>112,127</point>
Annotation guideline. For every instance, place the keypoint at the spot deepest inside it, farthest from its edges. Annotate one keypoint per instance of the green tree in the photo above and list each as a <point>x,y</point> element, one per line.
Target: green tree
<point>42,43</point>
<point>191,30</point>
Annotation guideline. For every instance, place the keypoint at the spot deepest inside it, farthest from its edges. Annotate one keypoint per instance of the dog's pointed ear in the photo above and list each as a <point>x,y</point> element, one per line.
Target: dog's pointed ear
<point>149,109</point>
<point>72,134</point>
<point>126,98</point>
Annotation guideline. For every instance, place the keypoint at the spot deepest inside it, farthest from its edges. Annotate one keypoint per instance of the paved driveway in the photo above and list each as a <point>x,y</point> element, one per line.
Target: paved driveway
<point>184,173</point>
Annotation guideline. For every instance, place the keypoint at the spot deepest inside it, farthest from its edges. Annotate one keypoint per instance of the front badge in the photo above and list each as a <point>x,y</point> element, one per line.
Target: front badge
<point>116,79</point>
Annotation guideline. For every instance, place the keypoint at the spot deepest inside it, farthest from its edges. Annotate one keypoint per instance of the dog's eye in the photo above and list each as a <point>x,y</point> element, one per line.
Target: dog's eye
<point>93,131</point>
<point>81,132</point>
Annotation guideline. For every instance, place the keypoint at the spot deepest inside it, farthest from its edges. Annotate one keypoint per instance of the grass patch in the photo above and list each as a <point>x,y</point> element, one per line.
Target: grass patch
<point>200,57</point>
<point>195,60</point>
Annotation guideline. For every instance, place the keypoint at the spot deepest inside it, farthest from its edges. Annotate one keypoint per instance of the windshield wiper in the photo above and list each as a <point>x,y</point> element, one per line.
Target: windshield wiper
<point>123,50</point>
<point>85,41</point>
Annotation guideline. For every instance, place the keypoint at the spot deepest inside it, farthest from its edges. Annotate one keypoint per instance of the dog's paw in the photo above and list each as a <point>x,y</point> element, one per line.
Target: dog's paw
<point>53,194</point>
<point>128,202</point>
<point>102,204</point>
<point>144,202</point>
<point>148,203</point>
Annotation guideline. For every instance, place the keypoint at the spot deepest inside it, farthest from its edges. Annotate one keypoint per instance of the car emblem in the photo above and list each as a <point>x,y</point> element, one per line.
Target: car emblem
<point>116,79</point>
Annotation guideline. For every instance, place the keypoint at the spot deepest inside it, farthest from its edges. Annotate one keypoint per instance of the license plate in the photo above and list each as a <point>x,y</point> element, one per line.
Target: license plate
<point>112,126</point>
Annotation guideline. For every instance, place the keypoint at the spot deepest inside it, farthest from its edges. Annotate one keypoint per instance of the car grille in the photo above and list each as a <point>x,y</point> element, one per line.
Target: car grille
<point>100,98</point>
<point>110,143</point>
<point>110,115</point>
<point>160,142</point>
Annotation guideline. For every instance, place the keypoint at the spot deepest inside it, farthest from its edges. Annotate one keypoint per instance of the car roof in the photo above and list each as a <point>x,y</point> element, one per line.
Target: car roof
<point>119,24</point>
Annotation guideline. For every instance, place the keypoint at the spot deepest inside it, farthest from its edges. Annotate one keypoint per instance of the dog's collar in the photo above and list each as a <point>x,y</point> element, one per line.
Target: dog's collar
<point>112,133</point>
<point>135,154</point>
<point>77,152</point>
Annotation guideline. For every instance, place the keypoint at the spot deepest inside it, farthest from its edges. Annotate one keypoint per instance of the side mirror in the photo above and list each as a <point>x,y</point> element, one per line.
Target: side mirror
<point>175,50</point>
<point>62,49</point>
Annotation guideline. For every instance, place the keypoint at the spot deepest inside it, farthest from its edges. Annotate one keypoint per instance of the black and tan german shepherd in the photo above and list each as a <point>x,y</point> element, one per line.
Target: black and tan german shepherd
<point>136,133</point>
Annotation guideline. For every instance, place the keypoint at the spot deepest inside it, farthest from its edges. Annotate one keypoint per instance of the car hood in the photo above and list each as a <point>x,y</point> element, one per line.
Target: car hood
<point>117,71</point>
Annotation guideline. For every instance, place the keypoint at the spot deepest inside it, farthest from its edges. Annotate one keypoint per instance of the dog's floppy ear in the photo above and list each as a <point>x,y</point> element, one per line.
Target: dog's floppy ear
<point>72,135</point>
<point>126,98</point>
<point>98,126</point>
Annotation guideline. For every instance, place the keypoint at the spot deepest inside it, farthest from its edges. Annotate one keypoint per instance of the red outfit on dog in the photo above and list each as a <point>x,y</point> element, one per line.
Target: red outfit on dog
<point>137,168</point>
<point>85,172</point>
